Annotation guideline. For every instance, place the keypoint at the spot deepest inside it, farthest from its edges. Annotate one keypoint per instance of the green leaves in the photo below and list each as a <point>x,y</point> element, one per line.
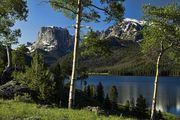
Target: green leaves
<point>90,12</point>
<point>37,78</point>
<point>10,11</point>
<point>161,31</point>
<point>93,45</point>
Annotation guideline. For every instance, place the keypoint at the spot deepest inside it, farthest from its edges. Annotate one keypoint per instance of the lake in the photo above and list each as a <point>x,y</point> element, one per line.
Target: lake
<point>130,87</point>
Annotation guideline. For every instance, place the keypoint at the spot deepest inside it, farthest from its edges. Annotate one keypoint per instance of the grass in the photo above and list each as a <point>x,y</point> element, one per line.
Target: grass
<point>12,110</point>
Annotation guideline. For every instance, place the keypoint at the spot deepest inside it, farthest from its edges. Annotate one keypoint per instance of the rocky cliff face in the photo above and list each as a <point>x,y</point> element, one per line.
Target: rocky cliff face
<point>128,29</point>
<point>53,39</point>
<point>53,42</point>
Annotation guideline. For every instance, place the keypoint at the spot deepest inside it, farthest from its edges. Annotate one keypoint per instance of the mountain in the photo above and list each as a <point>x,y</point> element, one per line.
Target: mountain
<point>126,57</point>
<point>53,42</point>
<point>128,29</point>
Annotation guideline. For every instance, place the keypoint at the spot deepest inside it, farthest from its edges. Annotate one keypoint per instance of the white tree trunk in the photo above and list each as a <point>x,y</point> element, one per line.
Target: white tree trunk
<point>71,101</point>
<point>9,56</point>
<point>154,100</point>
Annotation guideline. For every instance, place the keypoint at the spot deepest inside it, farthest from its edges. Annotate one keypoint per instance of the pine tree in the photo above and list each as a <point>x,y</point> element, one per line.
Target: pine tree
<point>85,10</point>
<point>100,93</point>
<point>141,107</point>
<point>107,103</point>
<point>113,96</point>
<point>19,60</point>
<point>37,78</point>
<point>59,81</point>
<point>92,91</point>
<point>88,91</point>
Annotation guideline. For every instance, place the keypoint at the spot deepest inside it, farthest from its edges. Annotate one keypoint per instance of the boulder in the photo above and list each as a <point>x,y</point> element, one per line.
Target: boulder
<point>12,88</point>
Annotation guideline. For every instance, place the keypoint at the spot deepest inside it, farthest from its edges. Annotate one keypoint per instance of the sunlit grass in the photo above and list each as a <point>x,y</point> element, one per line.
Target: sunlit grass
<point>12,110</point>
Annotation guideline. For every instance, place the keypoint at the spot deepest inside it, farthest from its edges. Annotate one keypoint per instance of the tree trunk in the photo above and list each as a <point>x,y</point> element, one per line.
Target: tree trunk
<point>77,35</point>
<point>9,56</point>
<point>154,100</point>
<point>9,65</point>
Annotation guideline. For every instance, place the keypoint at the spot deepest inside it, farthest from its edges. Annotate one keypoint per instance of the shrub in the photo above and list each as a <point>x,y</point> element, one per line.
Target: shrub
<point>23,98</point>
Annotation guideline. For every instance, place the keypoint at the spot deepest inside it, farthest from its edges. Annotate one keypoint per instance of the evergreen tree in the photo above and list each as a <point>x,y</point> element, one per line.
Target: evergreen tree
<point>37,78</point>
<point>85,10</point>
<point>19,57</point>
<point>107,103</point>
<point>59,82</point>
<point>141,107</point>
<point>113,96</point>
<point>161,35</point>
<point>88,91</point>
<point>92,91</point>
<point>100,93</point>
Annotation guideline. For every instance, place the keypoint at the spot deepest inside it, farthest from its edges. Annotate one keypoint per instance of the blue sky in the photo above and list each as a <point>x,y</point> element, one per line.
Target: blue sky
<point>43,15</point>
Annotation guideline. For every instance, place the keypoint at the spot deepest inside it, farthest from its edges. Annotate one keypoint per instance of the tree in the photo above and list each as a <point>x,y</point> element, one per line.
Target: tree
<point>100,93</point>
<point>10,12</point>
<point>38,78</point>
<point>107,103</point>
<point>93,45</point>
<point>92,91</point>
<point>58,81</point>
<point>85,10</point>
<point>19,57</point>
<point>161,35</point>
<point>113,96</point>
<point>2,58</point>
<point>141,107</point>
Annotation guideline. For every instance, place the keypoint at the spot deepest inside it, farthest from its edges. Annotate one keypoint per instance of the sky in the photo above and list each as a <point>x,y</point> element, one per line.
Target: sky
<point>41,14</point>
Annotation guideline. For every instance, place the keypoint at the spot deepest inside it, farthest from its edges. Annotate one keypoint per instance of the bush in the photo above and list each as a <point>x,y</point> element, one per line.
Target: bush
<point>23,98</point>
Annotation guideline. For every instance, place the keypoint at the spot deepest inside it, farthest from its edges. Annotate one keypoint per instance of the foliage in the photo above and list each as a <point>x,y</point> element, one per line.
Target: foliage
<point>92,45</point>
<point>10,11</point>
<point>107,103</point>
<point>162,29</point>
<point>100,93</point>
<point>88,91</point>
<point>113,94</point>
<point>19,57</point>
<point>90,12</point>
<point>37,78</point>
<point>58,77</point>
<point>23,98</point>
<point>141,107</point>
<point>92,90</point>
<point>2,58</point>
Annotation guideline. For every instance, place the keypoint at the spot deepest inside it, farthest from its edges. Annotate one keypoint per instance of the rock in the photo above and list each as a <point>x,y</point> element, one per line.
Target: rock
<point>53,42</point>
<point>128,29</point>
<point>97,110</point>
<point>8,90</point>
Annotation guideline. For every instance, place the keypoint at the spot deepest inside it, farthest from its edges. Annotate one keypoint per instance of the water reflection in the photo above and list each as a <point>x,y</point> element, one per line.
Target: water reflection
<point>131,87</point>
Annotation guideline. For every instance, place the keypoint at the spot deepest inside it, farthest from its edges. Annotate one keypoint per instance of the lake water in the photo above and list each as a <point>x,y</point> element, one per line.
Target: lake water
<point>132,86</point>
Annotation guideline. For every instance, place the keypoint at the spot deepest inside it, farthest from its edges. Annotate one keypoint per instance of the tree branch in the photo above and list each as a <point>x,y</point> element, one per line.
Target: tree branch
<point>59,5</point>
<point>102,9</point>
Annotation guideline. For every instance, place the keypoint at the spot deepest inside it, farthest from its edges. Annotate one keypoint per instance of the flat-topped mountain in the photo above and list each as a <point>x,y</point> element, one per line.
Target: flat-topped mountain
<point>53,42</point>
